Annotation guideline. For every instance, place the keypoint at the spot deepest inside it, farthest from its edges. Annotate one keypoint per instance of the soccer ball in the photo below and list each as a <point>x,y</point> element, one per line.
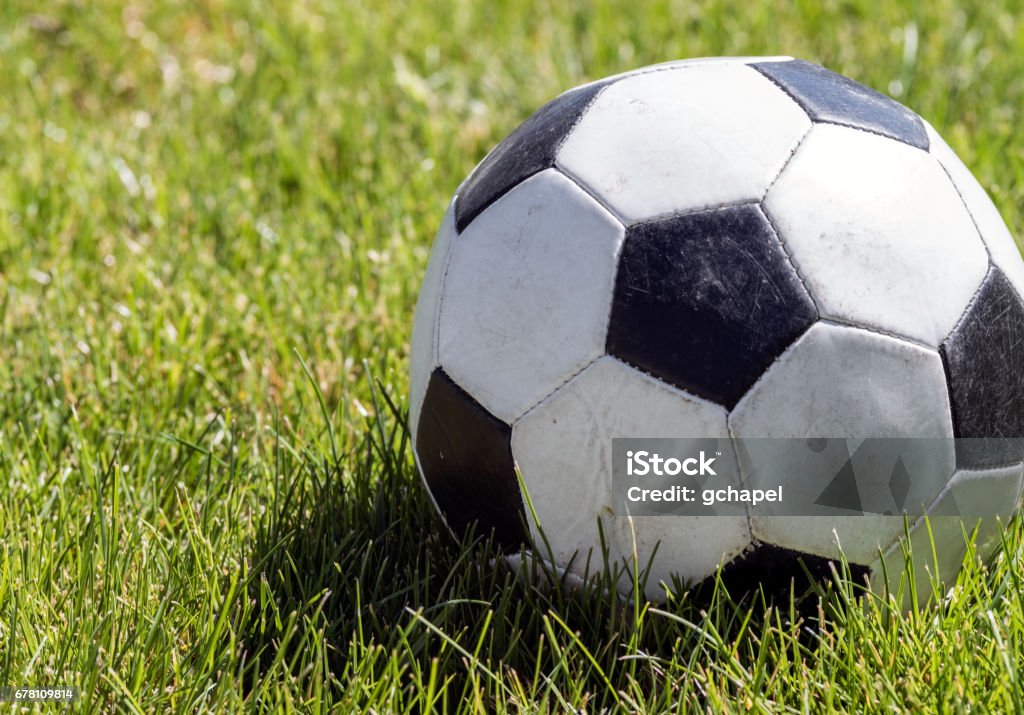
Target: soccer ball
<point>731,248</point>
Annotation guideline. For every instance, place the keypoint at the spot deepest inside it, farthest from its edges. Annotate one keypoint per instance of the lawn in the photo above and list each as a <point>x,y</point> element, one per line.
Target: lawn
<point>214,218</point>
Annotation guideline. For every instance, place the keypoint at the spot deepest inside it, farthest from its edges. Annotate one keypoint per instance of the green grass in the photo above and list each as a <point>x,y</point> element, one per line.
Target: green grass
<point>213,221</point>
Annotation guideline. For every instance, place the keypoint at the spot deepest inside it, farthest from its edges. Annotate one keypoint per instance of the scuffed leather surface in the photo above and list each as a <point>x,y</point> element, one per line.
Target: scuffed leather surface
<point>835,99</point>
<point>706,301</point>
<point>984,360</point>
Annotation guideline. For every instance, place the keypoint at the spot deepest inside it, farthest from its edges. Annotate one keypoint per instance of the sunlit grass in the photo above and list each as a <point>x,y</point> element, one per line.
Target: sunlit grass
<point>214,217</point>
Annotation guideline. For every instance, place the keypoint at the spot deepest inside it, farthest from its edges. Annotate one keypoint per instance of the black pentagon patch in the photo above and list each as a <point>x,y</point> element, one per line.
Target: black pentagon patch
<point>530,149</point>
<point>776,571</point>
<point>834,99</point>
<point>984,361</point>
<point>706,301</point>
<point>465,453</point>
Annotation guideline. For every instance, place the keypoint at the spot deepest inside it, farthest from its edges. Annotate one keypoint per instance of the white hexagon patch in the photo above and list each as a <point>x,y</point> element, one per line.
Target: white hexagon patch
<point>879,233</point>
<point>564,450</point>
<point>842,382</point>
<point>1005,253</point>
<point>528,293</point>
<point>682,139</point>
